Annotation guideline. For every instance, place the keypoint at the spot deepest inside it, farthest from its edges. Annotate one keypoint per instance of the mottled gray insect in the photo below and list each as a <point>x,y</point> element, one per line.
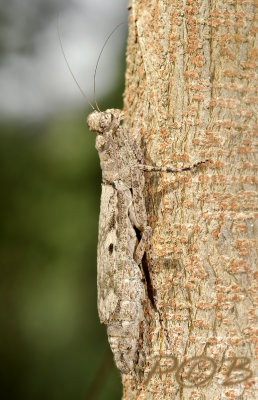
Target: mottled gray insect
<point>124,236</point>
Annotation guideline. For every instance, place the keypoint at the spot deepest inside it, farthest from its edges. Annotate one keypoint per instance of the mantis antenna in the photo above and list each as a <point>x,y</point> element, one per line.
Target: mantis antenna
<point>95,72</point>
<point>68,65</point>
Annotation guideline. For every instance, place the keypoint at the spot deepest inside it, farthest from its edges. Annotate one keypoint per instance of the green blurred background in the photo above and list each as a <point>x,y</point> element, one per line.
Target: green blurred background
<point>52,345</point>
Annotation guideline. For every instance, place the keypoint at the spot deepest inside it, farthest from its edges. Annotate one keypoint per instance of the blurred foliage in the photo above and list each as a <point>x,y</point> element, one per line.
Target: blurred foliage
<point>51,343</point>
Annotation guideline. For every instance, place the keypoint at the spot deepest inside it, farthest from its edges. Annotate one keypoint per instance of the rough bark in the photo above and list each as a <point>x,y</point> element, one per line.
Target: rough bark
<point>190,96</point>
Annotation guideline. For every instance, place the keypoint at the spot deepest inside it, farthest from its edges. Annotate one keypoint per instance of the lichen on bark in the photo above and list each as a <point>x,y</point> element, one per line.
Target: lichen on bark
<point>189,96</point>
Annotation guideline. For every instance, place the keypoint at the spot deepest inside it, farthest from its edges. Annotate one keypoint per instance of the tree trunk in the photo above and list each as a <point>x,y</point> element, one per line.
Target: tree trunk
<point>190,96</point>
